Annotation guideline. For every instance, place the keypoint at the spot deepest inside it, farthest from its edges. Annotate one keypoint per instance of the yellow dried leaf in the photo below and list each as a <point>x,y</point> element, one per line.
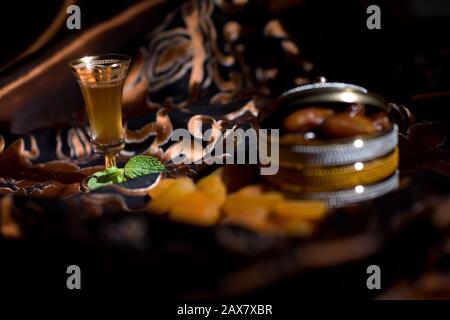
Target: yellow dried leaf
<point>160,187</point>
<point>214,188</point>
<point>195,208</point>
<point>301,209</point>
<point>177,189</point>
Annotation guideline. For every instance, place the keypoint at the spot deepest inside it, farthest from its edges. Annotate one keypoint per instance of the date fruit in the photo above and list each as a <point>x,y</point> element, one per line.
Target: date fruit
<point>343,126</point>
<point>380,121</point>
<point>306,119</point>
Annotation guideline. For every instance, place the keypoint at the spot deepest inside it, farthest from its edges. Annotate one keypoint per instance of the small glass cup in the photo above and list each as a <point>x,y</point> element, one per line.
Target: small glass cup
<point>101,80</point>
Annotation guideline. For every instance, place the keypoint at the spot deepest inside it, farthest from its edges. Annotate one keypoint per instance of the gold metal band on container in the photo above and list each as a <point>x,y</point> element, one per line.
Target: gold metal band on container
<point>314,179</point>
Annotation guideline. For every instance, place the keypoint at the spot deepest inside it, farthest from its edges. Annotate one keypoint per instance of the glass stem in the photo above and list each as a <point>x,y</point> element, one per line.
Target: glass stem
<point>110,160</point>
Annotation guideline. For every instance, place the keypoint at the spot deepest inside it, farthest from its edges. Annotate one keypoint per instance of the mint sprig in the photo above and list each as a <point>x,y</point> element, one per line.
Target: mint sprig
<point>137,166</point>
<point>141,165</point>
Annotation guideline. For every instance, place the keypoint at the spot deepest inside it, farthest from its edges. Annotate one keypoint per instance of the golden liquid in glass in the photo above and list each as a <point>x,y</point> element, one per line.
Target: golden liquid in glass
<point>104,108</point>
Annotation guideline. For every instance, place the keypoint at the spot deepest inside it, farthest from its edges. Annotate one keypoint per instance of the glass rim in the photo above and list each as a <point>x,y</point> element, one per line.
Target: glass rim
<point>101,59</point>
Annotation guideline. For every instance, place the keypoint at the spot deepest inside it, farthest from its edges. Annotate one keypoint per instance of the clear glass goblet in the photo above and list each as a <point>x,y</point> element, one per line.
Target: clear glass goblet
<point>101,80</point>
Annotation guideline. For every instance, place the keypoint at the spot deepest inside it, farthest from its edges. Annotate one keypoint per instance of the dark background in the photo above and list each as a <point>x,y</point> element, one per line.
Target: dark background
<point>407,61</point>
<point>407,58</point>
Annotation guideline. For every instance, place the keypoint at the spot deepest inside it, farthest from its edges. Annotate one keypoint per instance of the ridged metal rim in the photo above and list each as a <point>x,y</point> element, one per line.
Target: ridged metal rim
<point>335,154</point>
<point>358,150</point>
<point>336,199</point>
<point>323,85</point>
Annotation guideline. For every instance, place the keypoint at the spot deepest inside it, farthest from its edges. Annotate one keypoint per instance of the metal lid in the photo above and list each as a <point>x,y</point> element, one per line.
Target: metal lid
<point>323,85</point>
<point>332,92</point>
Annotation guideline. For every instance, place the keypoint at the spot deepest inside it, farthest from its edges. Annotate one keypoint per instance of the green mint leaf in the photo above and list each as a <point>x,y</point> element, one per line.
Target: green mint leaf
<point>139,166</point>
<point>94,183</point>
<point>107,172</point>
<point>105,177</point>
<point>119,177</point>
